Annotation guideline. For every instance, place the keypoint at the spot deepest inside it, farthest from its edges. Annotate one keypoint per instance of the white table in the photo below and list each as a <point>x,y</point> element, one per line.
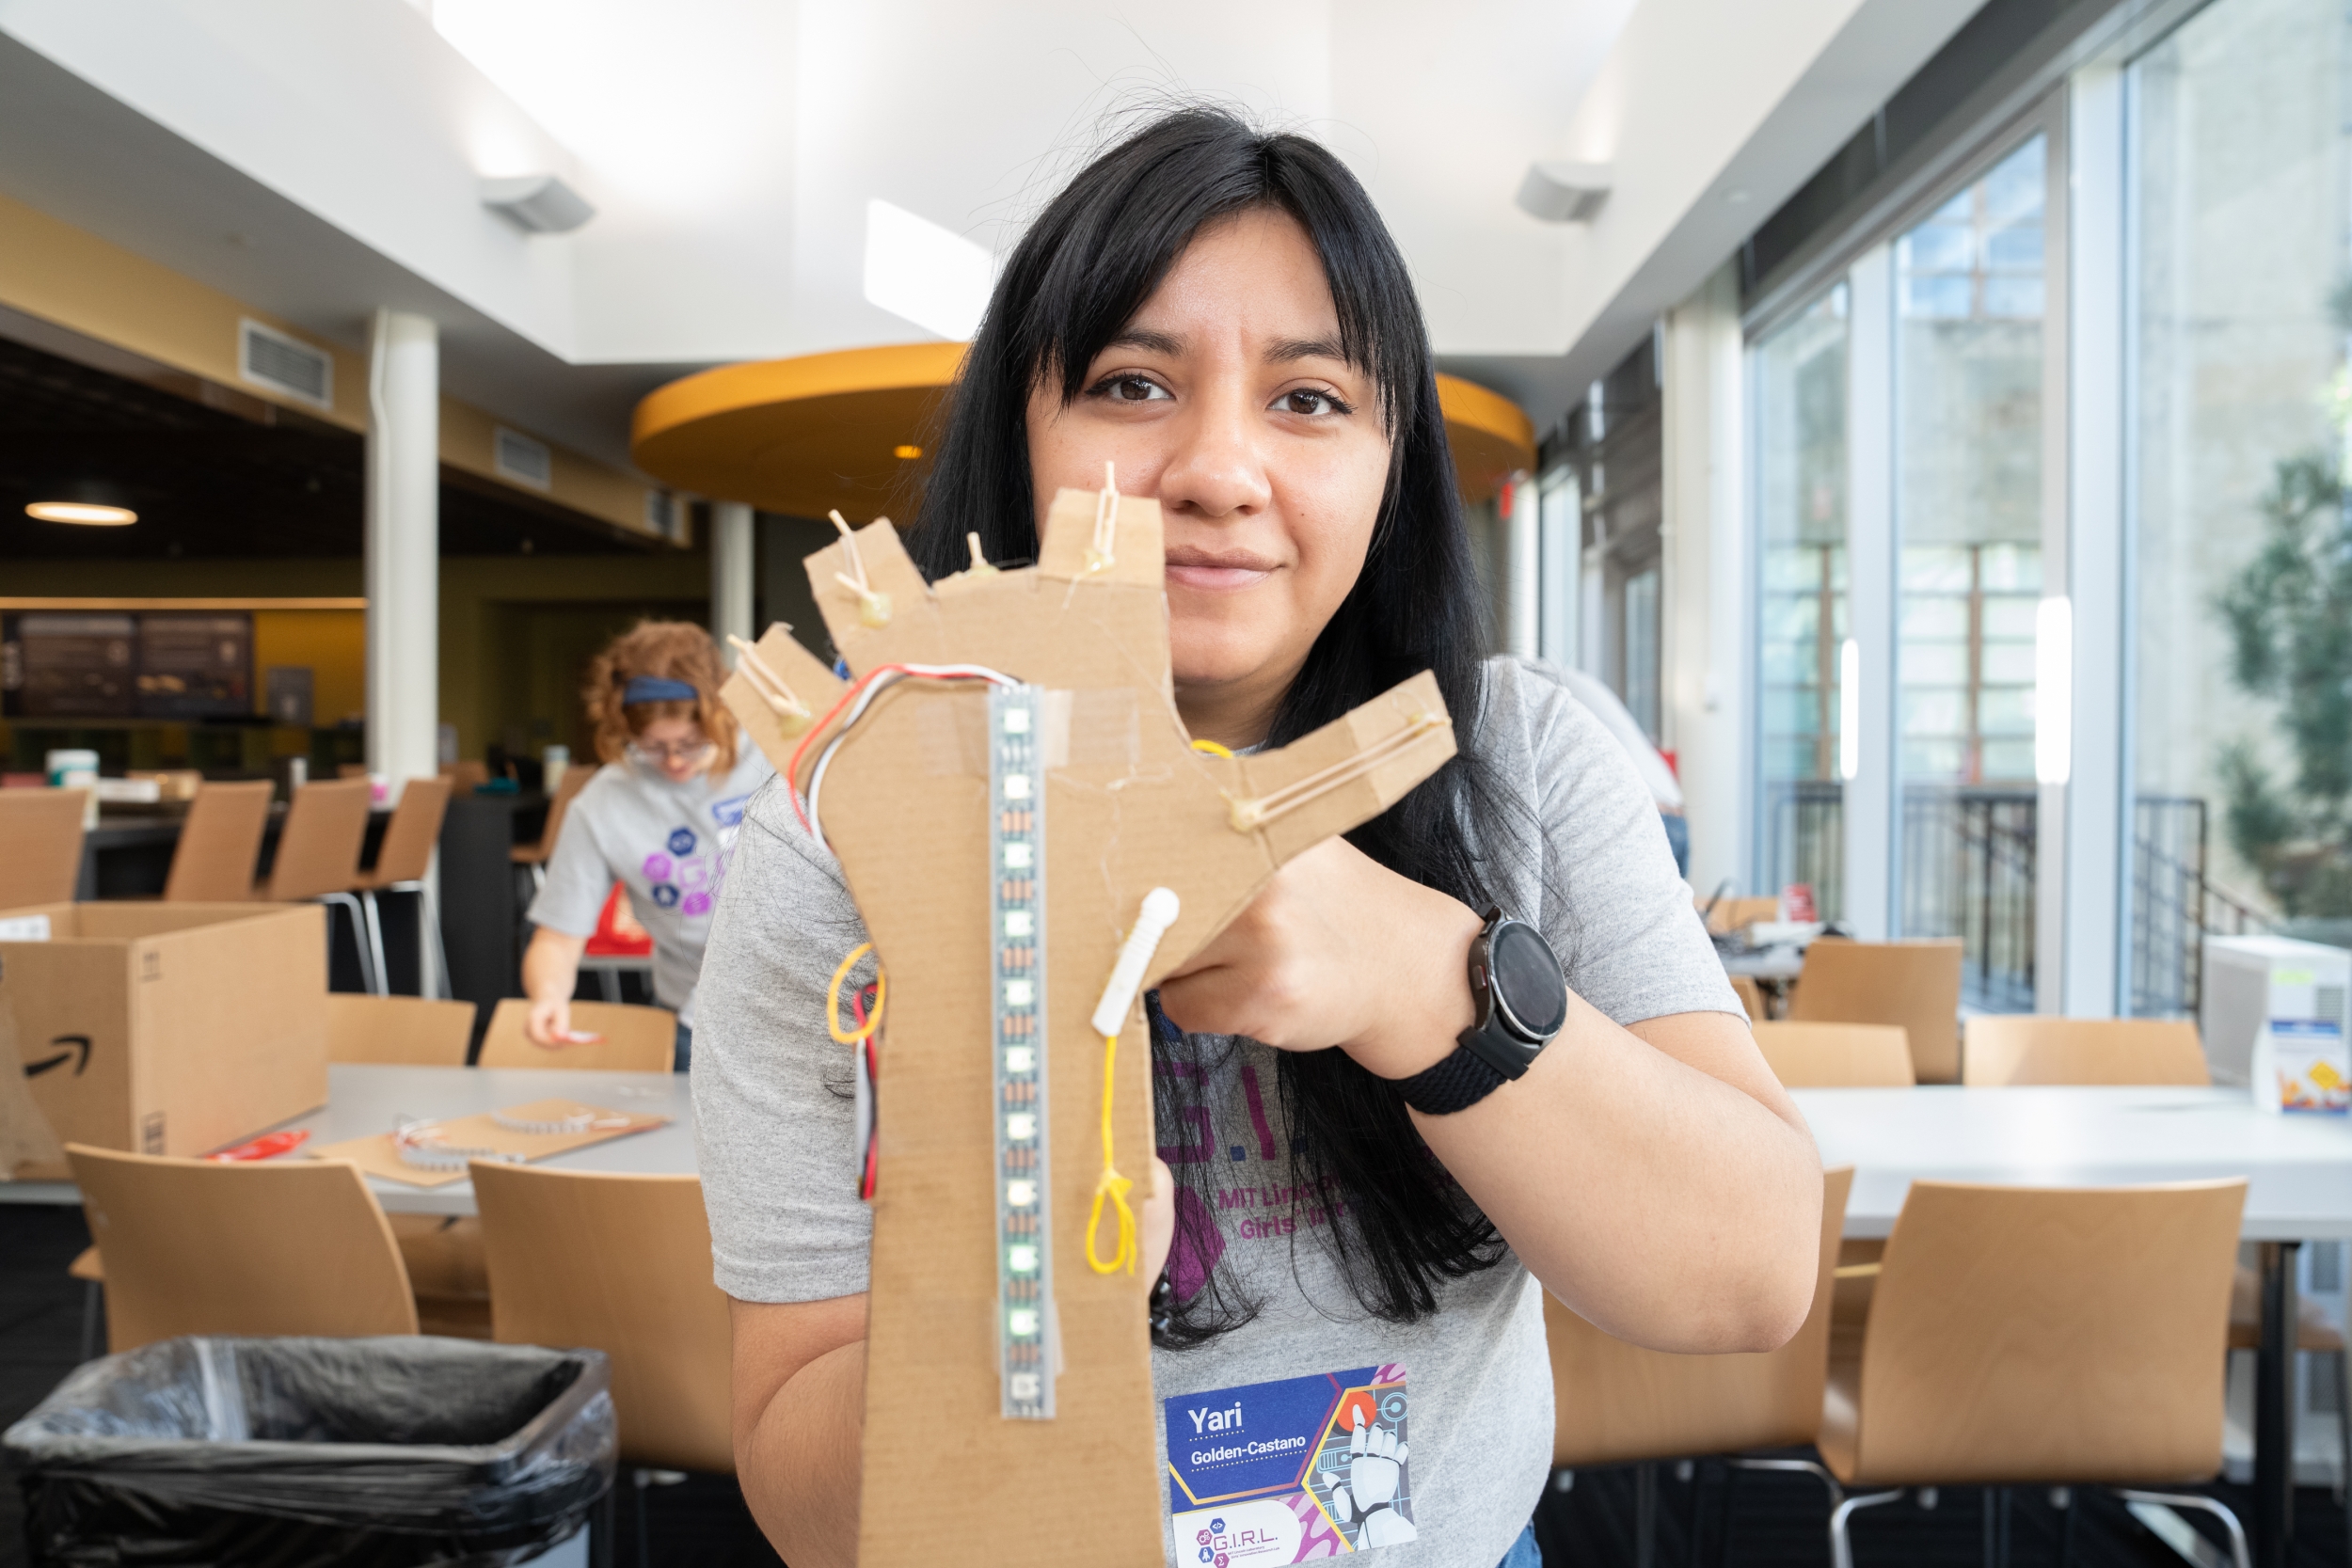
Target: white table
<point>2298,1168</point>
<point>2298,1172</point>
<point>365,1099</point>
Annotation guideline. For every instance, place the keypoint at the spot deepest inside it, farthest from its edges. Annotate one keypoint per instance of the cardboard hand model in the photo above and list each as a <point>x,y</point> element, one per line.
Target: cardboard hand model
<point>1127,806</point>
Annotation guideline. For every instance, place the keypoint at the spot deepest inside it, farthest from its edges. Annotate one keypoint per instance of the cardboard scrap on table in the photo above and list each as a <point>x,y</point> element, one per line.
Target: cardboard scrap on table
<point>376,1156</point>
<point>1128,805</point>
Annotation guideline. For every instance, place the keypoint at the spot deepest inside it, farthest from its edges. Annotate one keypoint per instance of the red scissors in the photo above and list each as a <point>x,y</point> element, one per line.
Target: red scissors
<point>269,1146</point>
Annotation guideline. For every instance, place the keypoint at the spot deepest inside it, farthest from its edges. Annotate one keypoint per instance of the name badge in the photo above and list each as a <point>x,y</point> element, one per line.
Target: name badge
<point>1280,1472</point>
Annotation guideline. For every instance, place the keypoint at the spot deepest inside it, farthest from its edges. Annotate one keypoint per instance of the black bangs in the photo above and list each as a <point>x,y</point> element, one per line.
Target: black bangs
<point>1078,277</point>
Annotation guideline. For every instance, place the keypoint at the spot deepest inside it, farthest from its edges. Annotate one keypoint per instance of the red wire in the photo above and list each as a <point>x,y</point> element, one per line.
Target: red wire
<point>792,771</point>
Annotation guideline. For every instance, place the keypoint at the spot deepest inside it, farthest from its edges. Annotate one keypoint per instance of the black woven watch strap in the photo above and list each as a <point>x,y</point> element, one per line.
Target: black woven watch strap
<point>1455,1084</point>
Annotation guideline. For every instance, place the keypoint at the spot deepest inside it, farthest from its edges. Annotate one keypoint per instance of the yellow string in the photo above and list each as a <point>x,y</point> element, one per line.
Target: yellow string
<point>1213,748</point>
<point>832,999</point>
<point>1112,1185</point>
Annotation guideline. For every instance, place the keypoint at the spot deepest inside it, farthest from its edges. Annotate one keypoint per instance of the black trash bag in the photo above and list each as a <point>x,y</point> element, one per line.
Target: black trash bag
<point>364,1453</point>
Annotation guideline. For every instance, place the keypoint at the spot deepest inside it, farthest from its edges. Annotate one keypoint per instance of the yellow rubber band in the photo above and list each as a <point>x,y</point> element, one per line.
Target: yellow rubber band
<point>1112,1185</point>
<point>832,999</point>
<point>1213,748</point>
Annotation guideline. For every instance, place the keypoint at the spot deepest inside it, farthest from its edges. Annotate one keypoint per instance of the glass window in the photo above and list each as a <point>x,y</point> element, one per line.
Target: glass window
<point>2241,203</point>
<point>1799,384</point>
<point>1968,410</point>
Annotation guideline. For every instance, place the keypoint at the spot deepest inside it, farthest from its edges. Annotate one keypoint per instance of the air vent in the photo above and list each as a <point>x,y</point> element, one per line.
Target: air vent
<point>520,458</point>
<point>665,516</point>
<point>287,365</point>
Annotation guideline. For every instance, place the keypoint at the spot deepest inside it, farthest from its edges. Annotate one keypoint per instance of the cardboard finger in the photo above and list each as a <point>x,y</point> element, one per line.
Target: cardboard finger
<point>890,573</point>
<point>801,672</point>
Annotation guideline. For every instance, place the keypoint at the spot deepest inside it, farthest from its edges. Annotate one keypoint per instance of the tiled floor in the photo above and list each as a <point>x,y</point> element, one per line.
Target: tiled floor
<point>1774,1520</point>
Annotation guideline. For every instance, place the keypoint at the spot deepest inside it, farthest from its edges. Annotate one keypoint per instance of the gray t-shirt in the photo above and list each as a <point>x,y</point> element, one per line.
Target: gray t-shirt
<point>667,844</point>
<point>778,1149</point>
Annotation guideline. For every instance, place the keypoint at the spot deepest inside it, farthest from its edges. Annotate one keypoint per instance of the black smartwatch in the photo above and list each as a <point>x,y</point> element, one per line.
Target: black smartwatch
<point>1522,1001</point>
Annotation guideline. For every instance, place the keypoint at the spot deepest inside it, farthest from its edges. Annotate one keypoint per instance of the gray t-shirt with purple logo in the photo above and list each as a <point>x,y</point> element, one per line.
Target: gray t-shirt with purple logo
<point>667,844</point>
<point>1315,1428</point>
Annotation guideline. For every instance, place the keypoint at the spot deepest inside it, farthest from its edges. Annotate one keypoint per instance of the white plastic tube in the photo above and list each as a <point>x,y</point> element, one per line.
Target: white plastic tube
<point>1159,911</point>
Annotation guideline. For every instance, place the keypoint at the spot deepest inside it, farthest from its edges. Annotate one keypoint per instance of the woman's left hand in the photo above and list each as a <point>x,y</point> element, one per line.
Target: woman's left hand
<point>1337,950</point>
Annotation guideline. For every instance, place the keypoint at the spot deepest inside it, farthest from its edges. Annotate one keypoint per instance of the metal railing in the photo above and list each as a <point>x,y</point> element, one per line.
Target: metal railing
<point>1967,867</point>
<point>2174,907</point>
<point>1967,871</point>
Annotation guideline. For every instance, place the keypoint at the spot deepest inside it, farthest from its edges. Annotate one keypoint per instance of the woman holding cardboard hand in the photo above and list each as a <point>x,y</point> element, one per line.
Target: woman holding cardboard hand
<point>660,818</point>
<point>1480,1043</point>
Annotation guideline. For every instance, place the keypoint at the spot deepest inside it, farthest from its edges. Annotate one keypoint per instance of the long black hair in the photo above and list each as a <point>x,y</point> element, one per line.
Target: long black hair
<point>1399,1225</point>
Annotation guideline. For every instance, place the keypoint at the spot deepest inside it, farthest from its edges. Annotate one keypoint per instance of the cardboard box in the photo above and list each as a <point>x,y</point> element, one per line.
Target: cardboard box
<point>164,1028</point>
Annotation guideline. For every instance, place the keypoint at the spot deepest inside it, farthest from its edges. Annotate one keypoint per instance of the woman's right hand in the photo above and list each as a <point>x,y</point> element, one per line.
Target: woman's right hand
<point>550,969</point>
<point>550,1022</point>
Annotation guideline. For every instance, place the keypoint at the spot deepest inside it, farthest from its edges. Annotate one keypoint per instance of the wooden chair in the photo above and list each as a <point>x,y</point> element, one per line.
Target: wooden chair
<point>1913,984</point>
<point>535,856</point>
<point>2029,1048</point>
<point>402,861</point>
<point>2314,1335</point>
<point>398,1031</point>
<point>318,857</point>
<point>296,1246</point>
<point>636,1040</point>
<point>221,842</point>
<point>2043,1337</point>
<point>1619,1404</point>
<point>621,1263</point>
<point>1751,997</point>
<point>465,776</point>
<point>1836,1056</point>
<point>40,845</point>
<point>1737,914</point>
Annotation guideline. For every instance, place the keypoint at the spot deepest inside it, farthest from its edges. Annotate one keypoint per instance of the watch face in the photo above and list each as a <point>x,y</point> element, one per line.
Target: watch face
<point>1527,980</point>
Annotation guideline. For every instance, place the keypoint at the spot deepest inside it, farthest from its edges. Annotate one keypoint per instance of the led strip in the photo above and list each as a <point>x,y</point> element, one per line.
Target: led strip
<point>1016,849</point>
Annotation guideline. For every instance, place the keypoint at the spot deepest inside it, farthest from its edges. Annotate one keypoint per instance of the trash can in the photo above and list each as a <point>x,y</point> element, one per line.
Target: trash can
<point>363,1453</point>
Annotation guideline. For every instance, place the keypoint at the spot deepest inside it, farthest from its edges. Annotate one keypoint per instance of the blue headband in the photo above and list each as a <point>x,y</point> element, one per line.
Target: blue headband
<point>653,689</point>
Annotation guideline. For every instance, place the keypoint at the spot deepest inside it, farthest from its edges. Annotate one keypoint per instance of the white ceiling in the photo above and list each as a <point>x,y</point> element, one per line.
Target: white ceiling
<point>320,160</point>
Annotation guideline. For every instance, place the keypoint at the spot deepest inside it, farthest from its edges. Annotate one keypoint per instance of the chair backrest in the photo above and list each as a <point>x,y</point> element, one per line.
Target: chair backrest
<point>1914,984</point>
<point>1836,1056</point>
<point>2028,1048</point>
<point>636,1040</point>
<point>575,779</point>
<point>2044,1335</point>
<point>1737,914</point>
<point>318,846</point>
<point>293,1247</point>
<point>1618,1404</point>
<point>40,845</point>
<point>406,851</point>
<point>219,843</point>
<point>398,1031</point>
<point>466,775</point>
<point>620,1264</point>
<point>1751,997</point>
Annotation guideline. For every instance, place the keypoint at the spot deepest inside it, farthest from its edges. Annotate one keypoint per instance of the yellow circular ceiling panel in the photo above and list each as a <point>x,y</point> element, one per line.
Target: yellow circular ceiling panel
<point>850,429</point>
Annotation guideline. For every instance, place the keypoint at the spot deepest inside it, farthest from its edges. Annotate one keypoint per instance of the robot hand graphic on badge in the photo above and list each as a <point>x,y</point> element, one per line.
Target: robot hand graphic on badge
<point>1376,1466</point>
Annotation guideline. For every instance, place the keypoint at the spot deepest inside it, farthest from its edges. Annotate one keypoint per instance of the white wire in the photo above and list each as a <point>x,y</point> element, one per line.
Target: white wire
<point>865,701</point>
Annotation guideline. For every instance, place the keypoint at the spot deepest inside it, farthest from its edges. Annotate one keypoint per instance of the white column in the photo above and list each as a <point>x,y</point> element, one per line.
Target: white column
<point>404,546</point>
<point>1559,556</point>
<point>1870,793</point>
<point>403,573</point>
<point>2090,864</point>
<point>730,575</point>
<point>1704,536</point>
<point>1522,546</point>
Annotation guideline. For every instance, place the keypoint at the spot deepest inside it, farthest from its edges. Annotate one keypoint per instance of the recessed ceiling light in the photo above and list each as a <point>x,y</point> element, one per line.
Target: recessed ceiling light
<point>906,451</point>
<point>88,513</point>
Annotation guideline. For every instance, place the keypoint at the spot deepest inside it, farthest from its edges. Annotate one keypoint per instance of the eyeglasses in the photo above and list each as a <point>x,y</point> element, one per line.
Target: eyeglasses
<point>683,750</point>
